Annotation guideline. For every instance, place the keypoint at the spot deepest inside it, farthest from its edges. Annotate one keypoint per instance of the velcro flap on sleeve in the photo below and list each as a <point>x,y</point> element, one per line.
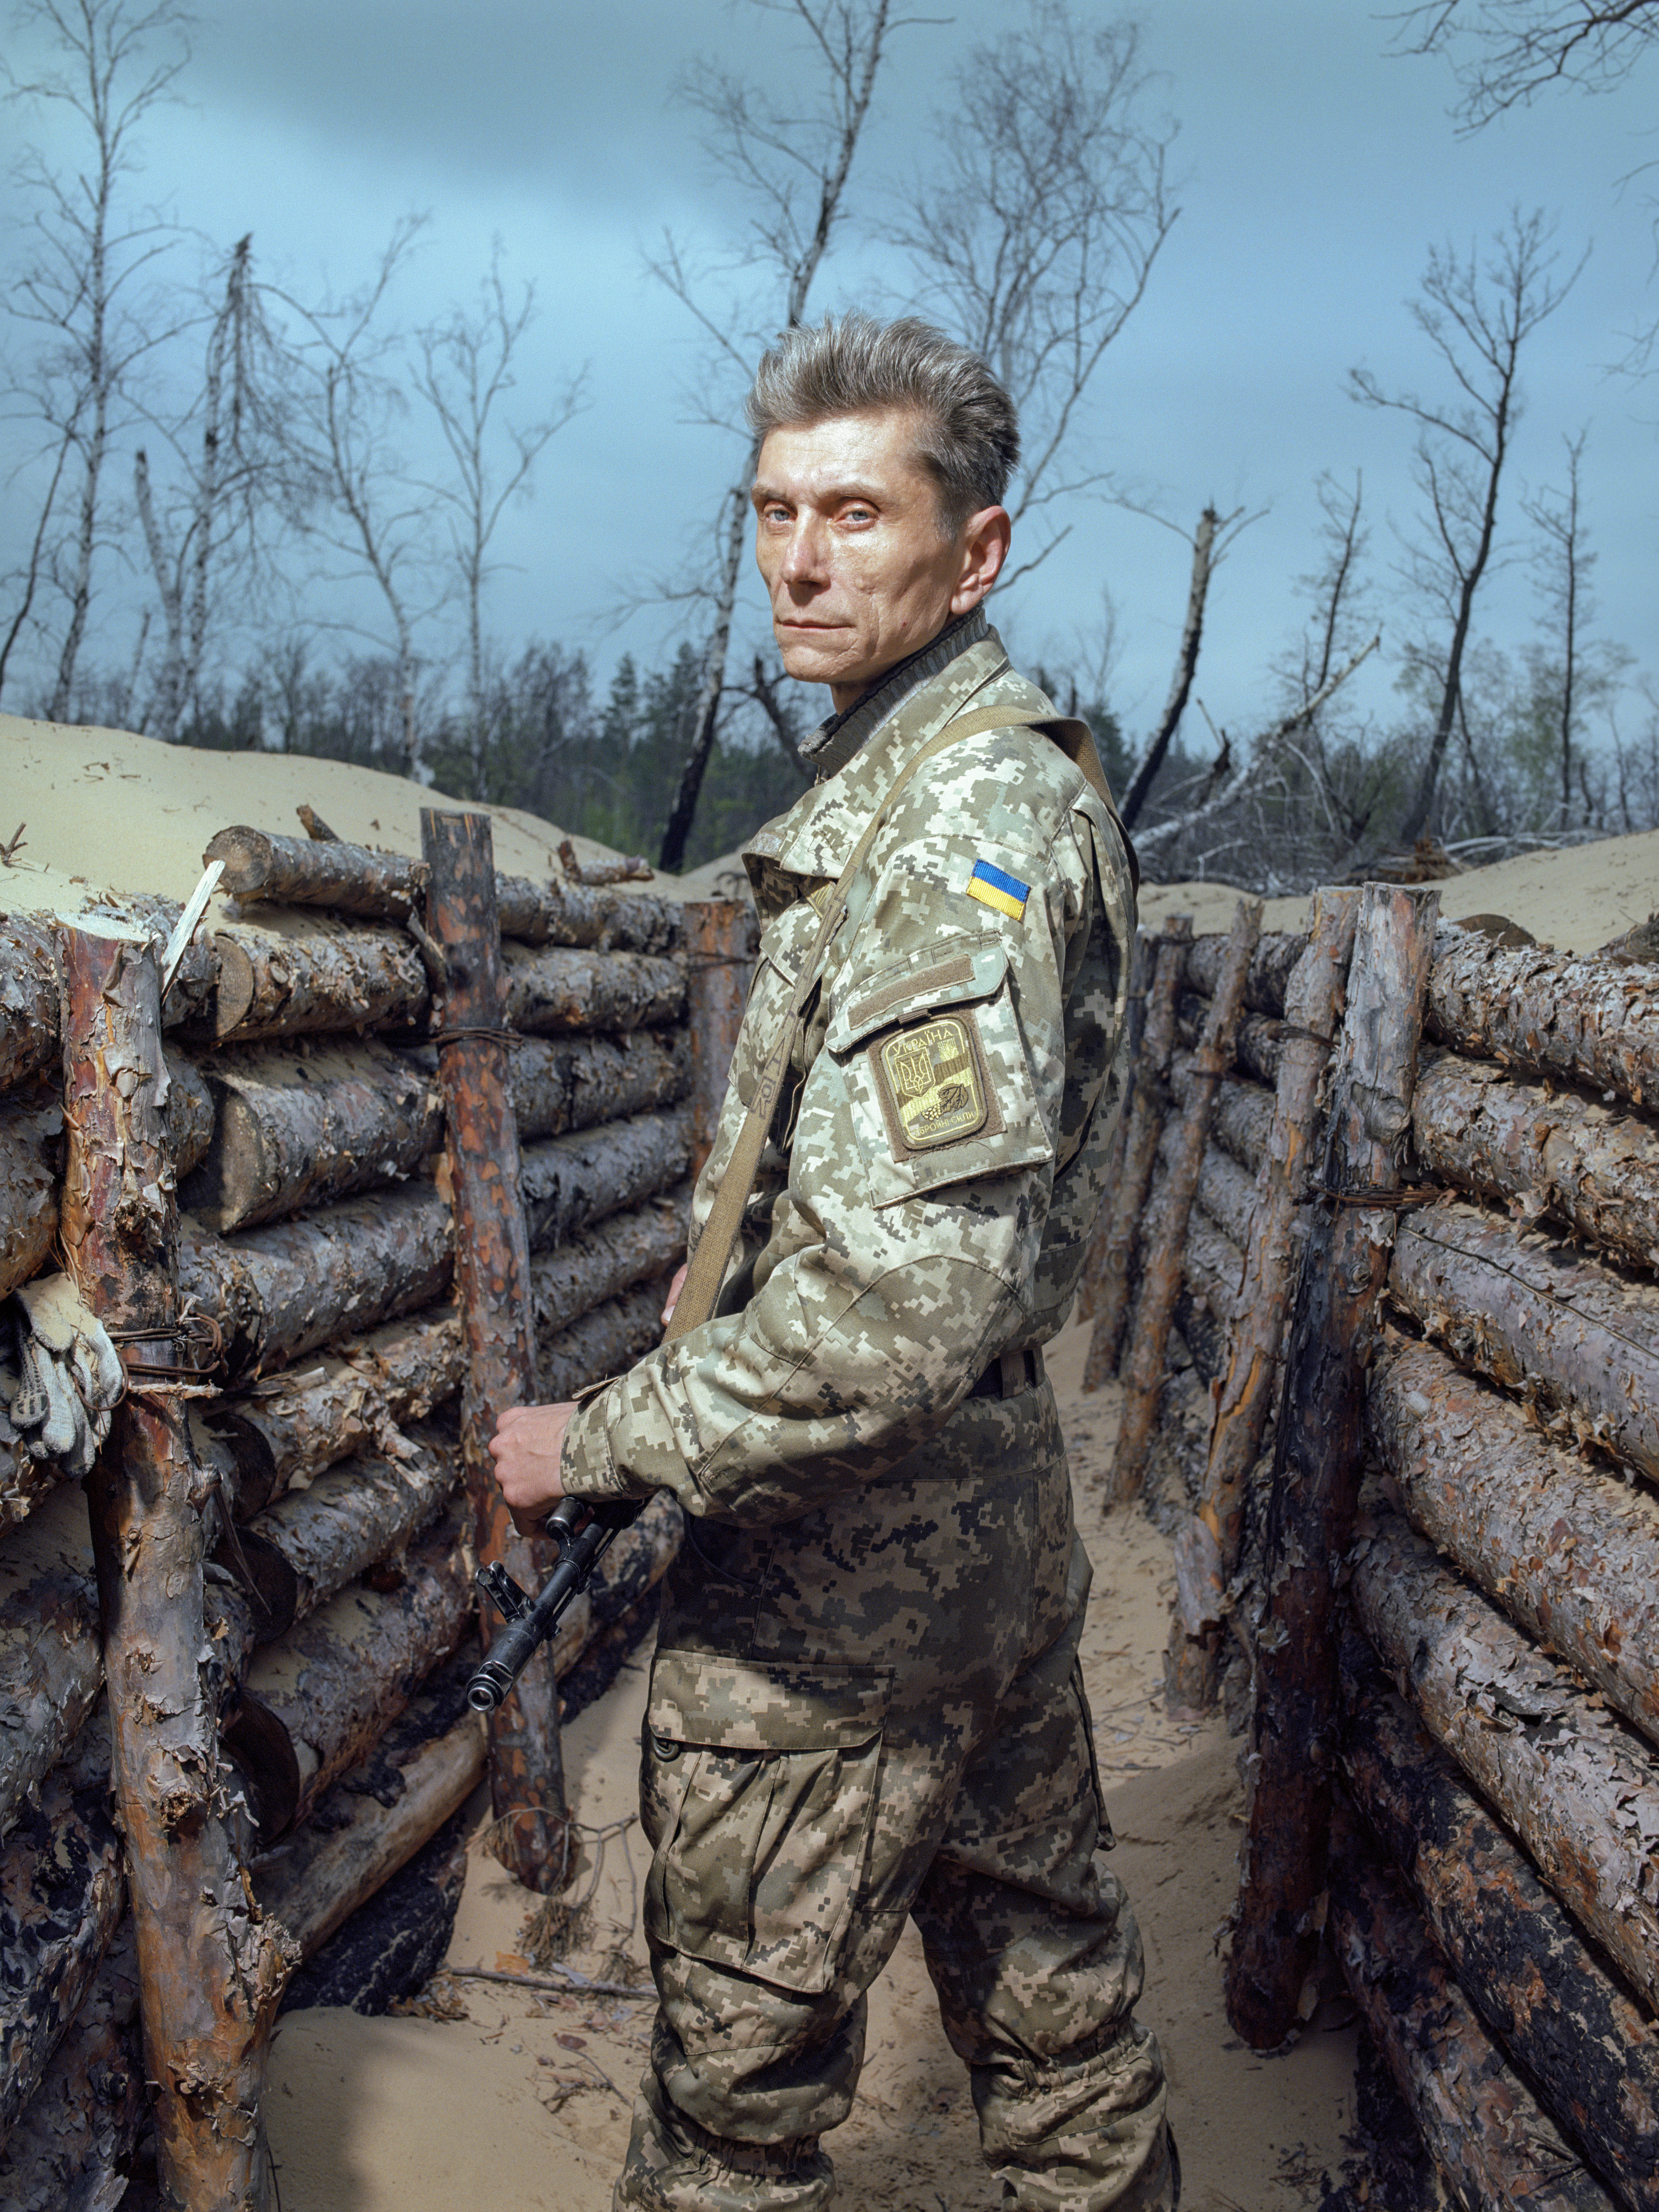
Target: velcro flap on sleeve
<point>955,972</point>
<point>753,1705</point>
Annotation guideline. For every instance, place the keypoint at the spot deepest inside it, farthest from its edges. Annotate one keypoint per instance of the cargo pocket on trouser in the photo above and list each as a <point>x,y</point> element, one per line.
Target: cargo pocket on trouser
<point>758,1801</point>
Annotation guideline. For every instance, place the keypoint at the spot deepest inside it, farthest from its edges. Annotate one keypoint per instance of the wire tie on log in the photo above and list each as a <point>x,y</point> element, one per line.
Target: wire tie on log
<point>1422,1194</point>
<point>448,1035</point>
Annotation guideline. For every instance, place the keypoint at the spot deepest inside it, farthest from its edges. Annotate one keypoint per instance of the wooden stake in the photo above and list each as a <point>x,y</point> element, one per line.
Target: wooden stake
<point>1316,1464</point>
<point>210,1970</point>
<point>1161,1276</point>
<point>492,1277</point>
<point>1146,1112</point>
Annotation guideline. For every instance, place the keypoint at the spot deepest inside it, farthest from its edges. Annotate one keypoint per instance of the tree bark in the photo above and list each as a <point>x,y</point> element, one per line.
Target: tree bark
<point>1186,664</point>
<point>346,1268</point>
<point>1272,965</point>
<point>1492,2141</point>
<point>575,1083</point>
<point>1316,1464</point>
<point>308,976</point>
<point>1208,1548</point>
<point>602,1344</point>
<point>211,1971</point>
<point>570,1182</point>
<point>342,1675</point>
<point>29,1123</point>
<point>1592,1021</point>
<point>299,871</point>
<point>62,1895</point>
<point>1244,1119</point>
<point>296,1128</point>
<point>557,913</point>
<point>1256,1047</point>
<point>601,1262</point>
<point>1576,1787</point>
<point>362,1513</point>
<point>492,1281</point>
<point>190,1114</point>
<point>29,999</point>
<point>1570,1552</point>
<point>1147,1113</point>
<point>1580,1342</point>
<point>722,944</point>
<point>559,987</point>
<point>1589,2050</point>
<point>71,2145</point>
<point>1541,1152</point>
<point>51,1667</point>
<point>1161,1274</point>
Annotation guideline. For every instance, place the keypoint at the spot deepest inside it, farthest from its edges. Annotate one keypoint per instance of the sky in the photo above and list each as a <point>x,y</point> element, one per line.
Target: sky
<point>1313,171</point>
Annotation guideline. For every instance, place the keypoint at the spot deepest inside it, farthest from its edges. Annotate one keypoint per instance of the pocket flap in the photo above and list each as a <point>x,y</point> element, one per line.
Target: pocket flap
<point>737,1705</point>
<point>955,972</point>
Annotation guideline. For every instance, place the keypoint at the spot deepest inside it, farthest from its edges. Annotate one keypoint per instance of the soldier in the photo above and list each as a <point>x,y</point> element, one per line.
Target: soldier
<point>866,1701</point>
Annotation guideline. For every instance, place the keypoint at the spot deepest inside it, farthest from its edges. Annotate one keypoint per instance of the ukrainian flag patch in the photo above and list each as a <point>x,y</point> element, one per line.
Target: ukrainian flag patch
<point>993,887</point>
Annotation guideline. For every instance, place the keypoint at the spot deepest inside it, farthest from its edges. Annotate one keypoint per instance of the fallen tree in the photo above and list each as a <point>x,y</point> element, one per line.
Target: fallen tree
<point>569,913</point>
<point>1244,1115</point>
<point>29,999</point>
<point>345,1267</point>
<point>601,1344</point>
<point>598,1263</point>
<point>1276,954</point>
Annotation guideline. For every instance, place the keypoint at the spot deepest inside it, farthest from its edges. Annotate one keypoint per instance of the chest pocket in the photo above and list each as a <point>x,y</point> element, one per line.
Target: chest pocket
<point>758,1798</point>
<point>937,1071</point>
<point>785,943</point>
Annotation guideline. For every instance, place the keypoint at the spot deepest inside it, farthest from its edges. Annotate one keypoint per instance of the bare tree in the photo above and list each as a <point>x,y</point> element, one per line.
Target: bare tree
<point>792,164</point>
<point>88,258</point>
<point>1506,53</point>
<point>1034,233</point>
<point>466,372</point>
<point>1477,315</point>
<point>1574,672</point>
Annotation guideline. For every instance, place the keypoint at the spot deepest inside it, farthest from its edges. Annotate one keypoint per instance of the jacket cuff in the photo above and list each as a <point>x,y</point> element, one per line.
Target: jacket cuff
<point>586,1466</point>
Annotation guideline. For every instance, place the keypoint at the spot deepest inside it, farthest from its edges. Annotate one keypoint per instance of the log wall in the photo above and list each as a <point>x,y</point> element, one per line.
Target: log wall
<point>1492,1897</point>
<point>322,1357</point>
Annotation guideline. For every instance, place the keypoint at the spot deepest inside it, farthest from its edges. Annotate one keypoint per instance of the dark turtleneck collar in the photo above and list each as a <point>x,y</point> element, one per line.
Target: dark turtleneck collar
<point>834,743</point>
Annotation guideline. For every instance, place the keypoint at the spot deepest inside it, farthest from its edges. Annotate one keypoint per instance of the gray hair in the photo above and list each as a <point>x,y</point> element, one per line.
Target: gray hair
<point>967,432</point>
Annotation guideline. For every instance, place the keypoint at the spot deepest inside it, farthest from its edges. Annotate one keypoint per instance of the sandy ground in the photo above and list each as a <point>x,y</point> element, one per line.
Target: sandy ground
<point>526,2096</point>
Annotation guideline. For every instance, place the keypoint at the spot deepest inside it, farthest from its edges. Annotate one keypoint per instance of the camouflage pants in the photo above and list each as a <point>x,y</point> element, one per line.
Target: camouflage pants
<point>871,1713</point>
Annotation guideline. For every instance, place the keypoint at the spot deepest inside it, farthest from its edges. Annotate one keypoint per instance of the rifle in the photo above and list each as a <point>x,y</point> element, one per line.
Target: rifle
<point>584,1528</point>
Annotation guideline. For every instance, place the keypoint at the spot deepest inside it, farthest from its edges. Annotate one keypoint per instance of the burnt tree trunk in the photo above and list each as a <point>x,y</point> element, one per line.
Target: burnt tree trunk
<point>722,942</point>
<point>299,871</point>
<point>1316,1464</point>
<point>1208,1545</point>
<point>561,989</point>
<point>1162,1264</point>
<point>210,1971</point>
<point>575,1083</point>
<point>1492,2141</point>
<point>492,1274</point>
<point>1593,1021</point>
<point>295,1129</point>
<point>1570,1552</point>
<point>1540,1151</point>
<point>1146,1113</point>
<point>567,1183</point>
<point>1589,2050</point>
<point>1576,1786</point>
<point>312,975</point>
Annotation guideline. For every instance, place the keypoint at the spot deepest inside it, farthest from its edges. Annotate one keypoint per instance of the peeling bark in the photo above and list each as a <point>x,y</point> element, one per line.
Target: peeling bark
<point>1575,1785</point>
<point>29,999</point>
<point>563,913</point>
<point>62,1895</point>
<point>1146,1116</point>
<point>1275,957</point>
<point>1569,1552</point>
<point>570,1182</point>
<point>1492,2141</point>
<point>1316,1464</point>
<point>1592,1021</point>
<point>602,1344</point>
<point>189,1113</point>
<point>345,1267</point>
<point>30,1122</point>
<point>1161,1273</point>
<point>299,973</point>
<point>211,1971</point>
<point>599,1263</point>
<point>492,1281</point>
<point>1585,2045</point>
<point>1243,1114</point>
<point>1541,1152</point>
<point>298,872</point>
<point>71,2144</point>
<point>50,1666</point>
<point>361,1512</point>
<point>560,987</point>
<point>722,944</point>
<point>296,1128</point>
<point>339,1677</point>
<point>575,1083</point>
<point>1260,1037</point>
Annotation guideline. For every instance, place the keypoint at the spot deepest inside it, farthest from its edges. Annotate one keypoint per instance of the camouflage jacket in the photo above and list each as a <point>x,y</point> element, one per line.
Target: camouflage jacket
<point>933,1173</point>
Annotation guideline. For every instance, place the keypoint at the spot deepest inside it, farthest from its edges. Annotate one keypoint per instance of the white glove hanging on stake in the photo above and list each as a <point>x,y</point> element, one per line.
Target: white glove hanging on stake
<point>60,1377</point>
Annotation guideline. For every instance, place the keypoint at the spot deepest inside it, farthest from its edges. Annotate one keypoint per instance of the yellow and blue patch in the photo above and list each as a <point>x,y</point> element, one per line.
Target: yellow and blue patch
<point>993,887</point>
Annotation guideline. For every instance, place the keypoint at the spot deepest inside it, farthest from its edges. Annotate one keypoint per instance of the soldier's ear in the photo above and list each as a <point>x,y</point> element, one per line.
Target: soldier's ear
<point>984,541</point>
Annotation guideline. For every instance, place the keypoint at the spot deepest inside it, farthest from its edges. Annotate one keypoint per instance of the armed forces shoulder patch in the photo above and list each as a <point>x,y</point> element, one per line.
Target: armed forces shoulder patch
<point>933,1086</point>
<point>994,887</point>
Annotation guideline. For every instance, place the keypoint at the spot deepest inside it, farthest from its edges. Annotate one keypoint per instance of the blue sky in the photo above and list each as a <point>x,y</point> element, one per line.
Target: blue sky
<point>1314,173</point>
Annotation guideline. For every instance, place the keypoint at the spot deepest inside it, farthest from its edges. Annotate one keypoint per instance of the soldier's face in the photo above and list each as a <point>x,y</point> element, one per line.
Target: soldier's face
<point>858,570</point>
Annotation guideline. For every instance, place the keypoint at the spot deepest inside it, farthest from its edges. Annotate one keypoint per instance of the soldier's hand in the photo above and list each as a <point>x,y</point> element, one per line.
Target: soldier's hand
<point>674,1290</point>
<point>526,1445</point>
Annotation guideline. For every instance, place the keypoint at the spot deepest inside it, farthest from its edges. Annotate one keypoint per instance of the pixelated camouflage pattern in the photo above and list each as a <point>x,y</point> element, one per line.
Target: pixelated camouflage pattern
<point>865,1704</point>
